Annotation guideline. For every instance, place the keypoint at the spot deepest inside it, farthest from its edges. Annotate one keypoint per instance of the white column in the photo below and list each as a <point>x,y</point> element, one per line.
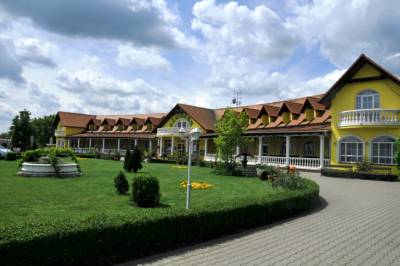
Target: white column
<point>187,145</point>
<point>136,142</point>
<point>69,143</point>
<point>103,145</point>
<point>172,145</point>
<point>260,140</point>
<point>150,146</point>
<point>287,150</point>
<point>161,146</point>
<point>118,144</point>
<point>237,150</point>
<point>79,142</point>
<point>205,147</point>
<point>90,143</point>
<point>321,150</point>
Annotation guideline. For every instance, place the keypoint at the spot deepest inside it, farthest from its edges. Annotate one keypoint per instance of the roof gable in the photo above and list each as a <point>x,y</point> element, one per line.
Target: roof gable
<point>351,76</point>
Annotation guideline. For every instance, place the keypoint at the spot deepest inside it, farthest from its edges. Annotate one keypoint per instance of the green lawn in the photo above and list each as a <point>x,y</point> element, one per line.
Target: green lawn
<point>32,199</point>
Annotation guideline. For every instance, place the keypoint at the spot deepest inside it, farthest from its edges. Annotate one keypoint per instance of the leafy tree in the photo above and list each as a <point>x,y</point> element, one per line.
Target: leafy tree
<point>136,159</point>
<point>230,130</point>
<point>21,130</point>
<point>43,129</point>
<point>4,135</point>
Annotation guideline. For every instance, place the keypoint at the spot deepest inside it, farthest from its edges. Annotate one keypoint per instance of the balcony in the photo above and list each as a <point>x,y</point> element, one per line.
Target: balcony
<point>59,133</point>
<point>370,117</point>
<point>169,131</point>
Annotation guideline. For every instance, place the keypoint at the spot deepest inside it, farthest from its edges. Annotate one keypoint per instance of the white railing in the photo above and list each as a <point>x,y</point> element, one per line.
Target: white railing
<point>280,161</point>
<point>169,131</point>
<point>370,117</point>
<point>59,133</point>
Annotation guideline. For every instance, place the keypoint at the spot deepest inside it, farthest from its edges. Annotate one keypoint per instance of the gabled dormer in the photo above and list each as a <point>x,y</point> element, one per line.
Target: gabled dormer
<point>122,124</point>
<point>108,124</point>
<point>137,123</point>
<point>268,114</point>
<point>93,124</point>
<point>289,111</point>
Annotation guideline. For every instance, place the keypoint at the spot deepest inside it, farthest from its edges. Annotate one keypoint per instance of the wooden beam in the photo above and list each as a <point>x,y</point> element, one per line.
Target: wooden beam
<point>367,79</point>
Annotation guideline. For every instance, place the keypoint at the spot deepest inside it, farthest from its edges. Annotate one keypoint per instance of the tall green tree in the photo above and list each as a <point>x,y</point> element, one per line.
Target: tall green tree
<point>43,129</point>
<point>21,130</point>
<point>230,130</point>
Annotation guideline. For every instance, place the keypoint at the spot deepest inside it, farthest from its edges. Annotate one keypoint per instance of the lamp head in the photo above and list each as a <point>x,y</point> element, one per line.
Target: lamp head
<point>195,133</point>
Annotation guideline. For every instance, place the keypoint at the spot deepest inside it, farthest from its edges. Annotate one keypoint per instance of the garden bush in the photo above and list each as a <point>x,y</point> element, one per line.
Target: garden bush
<point>358,174</point>
<point>121,184</point>
<point>108,240</point>
<point>136,160</point>
<point>10,156</point>
<point>266,172</point>
<point>289,181</point>
<point>145,191</point>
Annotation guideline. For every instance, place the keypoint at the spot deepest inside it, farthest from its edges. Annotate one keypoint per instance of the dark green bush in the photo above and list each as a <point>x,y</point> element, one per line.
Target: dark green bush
<point>267,171</point>
<point>364,166</point>
<point>360,175</point>
<point>104,240</point>
<point>10,156</point>
<point>289,181</point>
<point>121,184</point>
<point>145,191</point>
<point>127,159</point>
<point>136,159</point>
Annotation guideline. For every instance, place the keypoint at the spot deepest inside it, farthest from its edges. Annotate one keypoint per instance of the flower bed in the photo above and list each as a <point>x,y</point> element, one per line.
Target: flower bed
<point>196,185</point>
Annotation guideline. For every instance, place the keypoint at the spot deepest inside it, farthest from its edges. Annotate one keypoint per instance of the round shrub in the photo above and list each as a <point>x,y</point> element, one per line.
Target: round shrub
<point>145,191</point>
<point>289,181</point>
<point>121,184</point>
<point>11,156</point>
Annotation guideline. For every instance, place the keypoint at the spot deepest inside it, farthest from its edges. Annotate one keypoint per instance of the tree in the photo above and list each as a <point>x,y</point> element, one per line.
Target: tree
<point>21,130</point>
<point>121,184</point>
<point>230,130</point>
<point>43,129</point>
<point>136,159</point>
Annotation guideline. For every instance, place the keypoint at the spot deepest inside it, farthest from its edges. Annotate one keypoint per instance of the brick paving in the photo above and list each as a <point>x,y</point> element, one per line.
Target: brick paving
<point>358,223</point>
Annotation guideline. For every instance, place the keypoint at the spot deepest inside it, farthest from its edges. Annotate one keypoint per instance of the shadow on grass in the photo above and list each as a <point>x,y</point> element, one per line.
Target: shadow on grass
<point>318,206</point>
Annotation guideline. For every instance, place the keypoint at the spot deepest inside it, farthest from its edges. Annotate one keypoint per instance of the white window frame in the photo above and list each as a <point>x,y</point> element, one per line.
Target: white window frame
<point>378,156</point>
<point>359,158</point>
<point>179,123</point>
<point>362,97</point>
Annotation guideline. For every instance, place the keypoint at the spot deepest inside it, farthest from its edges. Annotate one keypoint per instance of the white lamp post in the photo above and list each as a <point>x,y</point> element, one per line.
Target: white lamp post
<point>193,135</point>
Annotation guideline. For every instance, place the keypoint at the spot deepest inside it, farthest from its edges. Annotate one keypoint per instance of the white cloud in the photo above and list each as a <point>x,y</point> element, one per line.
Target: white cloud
<point>141,57</point>
<point>344,29</point>
<point>100,93</point>
<point>36,51</point>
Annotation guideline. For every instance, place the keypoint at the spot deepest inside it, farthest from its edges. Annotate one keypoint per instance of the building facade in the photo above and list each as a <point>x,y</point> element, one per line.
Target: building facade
<point>357,119</point>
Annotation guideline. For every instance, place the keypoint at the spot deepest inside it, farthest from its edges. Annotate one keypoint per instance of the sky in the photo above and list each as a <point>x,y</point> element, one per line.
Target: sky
<point>136,56</point>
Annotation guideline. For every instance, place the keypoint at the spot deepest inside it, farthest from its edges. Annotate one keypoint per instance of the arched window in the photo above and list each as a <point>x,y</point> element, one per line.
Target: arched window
<point>367,99</point>
<point>383,149</point>
<point>182,123</point>
<point>351,149</point>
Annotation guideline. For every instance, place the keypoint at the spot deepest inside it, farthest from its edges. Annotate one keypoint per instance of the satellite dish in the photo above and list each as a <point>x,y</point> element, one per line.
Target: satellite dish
<point>234,101</point>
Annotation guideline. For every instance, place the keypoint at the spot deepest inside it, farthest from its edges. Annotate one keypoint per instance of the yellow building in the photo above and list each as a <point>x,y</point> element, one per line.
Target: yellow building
<point>357,119</point>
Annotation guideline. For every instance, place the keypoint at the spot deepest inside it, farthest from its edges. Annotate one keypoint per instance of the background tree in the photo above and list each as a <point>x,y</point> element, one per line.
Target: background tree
<point>127,160</point>
<point>21,130</point>
<point>230,129</point>
<point>43,129</point>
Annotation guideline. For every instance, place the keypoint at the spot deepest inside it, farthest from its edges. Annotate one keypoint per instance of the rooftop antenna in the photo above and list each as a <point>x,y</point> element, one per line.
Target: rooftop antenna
<point>237,98</point>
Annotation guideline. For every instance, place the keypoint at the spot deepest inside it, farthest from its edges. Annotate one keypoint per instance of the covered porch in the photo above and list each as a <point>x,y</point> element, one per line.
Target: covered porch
<point>305,151</point>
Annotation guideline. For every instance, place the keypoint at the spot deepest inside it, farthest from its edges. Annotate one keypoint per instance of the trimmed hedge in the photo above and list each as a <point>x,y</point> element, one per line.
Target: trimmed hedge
<point>10,156</point>
<point>360,175</point>
<point>106,240</point>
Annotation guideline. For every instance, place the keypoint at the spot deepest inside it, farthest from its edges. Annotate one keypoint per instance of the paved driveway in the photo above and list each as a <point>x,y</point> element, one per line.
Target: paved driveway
<point>358,223</point>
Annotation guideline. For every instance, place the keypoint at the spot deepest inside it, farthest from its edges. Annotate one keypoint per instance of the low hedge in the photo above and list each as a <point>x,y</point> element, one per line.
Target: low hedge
<point>359,175</point>
<point>106,240</point>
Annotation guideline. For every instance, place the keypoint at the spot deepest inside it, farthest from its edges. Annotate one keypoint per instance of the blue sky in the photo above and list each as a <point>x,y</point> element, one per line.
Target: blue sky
<point>136,56</point>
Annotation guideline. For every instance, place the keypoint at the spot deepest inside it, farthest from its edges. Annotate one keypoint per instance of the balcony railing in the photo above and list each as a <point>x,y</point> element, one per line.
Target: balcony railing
<point>59,133</point>
<point>280,161</point>
<point>169,131</point>
<point>379,117</point>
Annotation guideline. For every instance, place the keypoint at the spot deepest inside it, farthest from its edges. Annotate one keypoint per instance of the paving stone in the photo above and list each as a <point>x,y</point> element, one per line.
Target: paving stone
<point>360,225</point>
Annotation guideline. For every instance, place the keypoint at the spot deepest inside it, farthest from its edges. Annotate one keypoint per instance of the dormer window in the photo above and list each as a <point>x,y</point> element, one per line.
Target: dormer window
<point>120,127</point>
<point>181,123</point>
<point>367,99</point>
